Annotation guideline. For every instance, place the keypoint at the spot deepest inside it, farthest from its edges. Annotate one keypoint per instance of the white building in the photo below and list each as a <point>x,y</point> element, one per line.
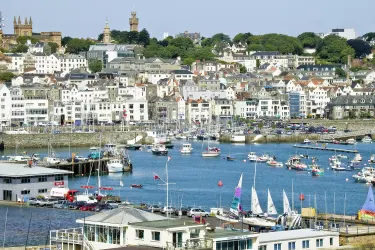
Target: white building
<point>5,106</point>
<point>46,64</point>
<point>70,61</point>
<point>246,109</point>
<point>17,62</point>
<point>348,34</point>
<point>198,111</point>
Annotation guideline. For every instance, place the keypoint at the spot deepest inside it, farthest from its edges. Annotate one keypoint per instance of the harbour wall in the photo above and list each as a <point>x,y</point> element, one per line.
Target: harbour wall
<point>275,138</point>
<point>68,139</point>
<point>339,124</point>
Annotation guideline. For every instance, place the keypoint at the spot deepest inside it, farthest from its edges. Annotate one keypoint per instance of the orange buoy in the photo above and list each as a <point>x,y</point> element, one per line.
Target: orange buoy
<point>302,197</point>
<point>220,183</point>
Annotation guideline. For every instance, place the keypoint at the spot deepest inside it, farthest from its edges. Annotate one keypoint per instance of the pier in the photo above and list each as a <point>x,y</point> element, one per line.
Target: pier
<point>352,151</point>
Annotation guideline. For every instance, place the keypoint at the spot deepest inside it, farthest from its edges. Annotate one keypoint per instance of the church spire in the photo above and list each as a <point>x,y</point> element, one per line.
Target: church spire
<point>15,20</point>
<point>26,21</point>
<point>31,21</point>
<point>19,20</point>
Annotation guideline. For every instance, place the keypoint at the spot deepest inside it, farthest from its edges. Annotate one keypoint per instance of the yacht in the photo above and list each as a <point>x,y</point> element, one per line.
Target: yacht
<point>115,166</point>
<point>357,157</point>
<point>252,156</point>
<point>237,138</point>
<point>211,152</point>
<point>306,141</point>
<point>372,158</point>
<point>159,149</point>
<point>186,148</point>
<point>264,158</point>
<point>351,141</point>
<point>366,139</point>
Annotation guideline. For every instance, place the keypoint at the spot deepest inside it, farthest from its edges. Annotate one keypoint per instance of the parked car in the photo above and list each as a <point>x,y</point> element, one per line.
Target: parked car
<point>198,220</point>
<point>47,202</point>
<point>184,210</point>
<point>61,204</point>
<point>154,208</point>
<point>197,212</point>
<point>169,210</point>
<point>81,158</point>
<point>88,207</point>
<point>34,201</point>
<point>70,159</point>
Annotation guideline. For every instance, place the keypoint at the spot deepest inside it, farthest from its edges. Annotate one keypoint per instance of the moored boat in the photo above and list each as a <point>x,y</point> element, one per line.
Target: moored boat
<point>252,156</point>
<point>316,170</point>
<point>274,163</point>
<point>351,141</point>
<point>115,166</point>
<point>186,148</point>
<point>159,149</point>
<point>230,158</point>
<point>366,139</point>
<point>306,141</point>
<point>211,152</point>
<point>136,185</point>
<point>237,138</point>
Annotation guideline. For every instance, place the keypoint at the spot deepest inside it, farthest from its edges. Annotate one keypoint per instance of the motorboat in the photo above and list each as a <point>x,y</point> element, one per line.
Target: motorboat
<point>341,156</point>
<point>351,141</point>
<point>306,141</point>
<point>238,138</point>
<point>337,166</point>
<point>115,166</point>
<point>159,149</point>
<point>372,158</point>
<point>180,137</point>
<point>293,160</point>
<point>19,158</point>
<point>230,158</point>
<point>274,163</point>
<point>136,185</point>
<point>192,137</point>
<point>211,152</point>
<point>295,163</point>
<point>264,158</point>
<point>355,165</point>
<point>186,148</point>
<point>169,146</point>
<point>367,139</point>
<point>357,157</point>
<point>252,156</point>
<point>110,149</point>
<point>316,170</point>
<point>202,137</point>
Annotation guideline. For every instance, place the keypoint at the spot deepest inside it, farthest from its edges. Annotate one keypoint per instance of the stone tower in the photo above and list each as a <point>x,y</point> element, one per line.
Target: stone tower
<point>25,29</point>
<point>133,21</point>
<point>106,33</point>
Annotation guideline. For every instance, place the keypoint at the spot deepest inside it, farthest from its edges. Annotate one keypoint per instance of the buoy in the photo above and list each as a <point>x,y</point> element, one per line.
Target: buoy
<point>244,160</point>
<point>302,197</point>
<point>220,183</point>
<point>82,174</point>
<point>289,168</point>
<point>347,179</point>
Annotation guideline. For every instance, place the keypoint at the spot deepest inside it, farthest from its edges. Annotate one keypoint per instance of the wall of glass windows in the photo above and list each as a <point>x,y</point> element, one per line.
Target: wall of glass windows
<point>103,234</point>
<point>236,244</point>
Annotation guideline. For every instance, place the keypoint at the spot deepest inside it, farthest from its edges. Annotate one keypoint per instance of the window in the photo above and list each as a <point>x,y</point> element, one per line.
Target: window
<point>139,234</point>
<point>292,245</point>
<point>156,236</point>
<point>42,191</point>
<point>59,178</point>
<point>7,180</point>
<point>262,247</point>
<point>277,246</point>
<point>25,192</point>
<point>319,243</point>
<point>25,180</point>
<point>305,244</point>
<point>42,179</point>
<point>331,241</point>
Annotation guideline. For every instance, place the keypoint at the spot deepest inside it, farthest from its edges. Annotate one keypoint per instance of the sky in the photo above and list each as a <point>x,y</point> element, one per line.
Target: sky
<point>86,18</point>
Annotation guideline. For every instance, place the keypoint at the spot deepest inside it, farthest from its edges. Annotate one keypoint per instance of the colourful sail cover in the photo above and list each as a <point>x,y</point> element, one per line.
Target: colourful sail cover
<point>368,209</point>
<point>236,203</point>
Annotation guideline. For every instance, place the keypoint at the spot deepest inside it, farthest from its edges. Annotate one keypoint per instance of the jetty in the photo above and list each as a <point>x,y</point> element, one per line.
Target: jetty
<point>353,151</point>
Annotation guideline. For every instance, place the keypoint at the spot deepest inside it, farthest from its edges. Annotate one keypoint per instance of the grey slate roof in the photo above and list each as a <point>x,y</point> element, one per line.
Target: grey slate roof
<point>22,170</point>
<point>353,100</point>
<point>121,217</point>
<point>182,72</point>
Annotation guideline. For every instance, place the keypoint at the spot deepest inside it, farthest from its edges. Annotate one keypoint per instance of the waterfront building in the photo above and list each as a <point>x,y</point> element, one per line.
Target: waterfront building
<point>246,109</point>
<point>5,106</point>
<point>198,111</point>
<point>222,110</point>
<point>351,106</point>
<point>19,181</point>
<point>294,104</point>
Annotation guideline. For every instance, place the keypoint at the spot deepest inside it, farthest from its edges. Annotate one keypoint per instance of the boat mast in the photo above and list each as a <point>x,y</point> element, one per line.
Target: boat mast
<point>292,194</point>
<point>100,146</point>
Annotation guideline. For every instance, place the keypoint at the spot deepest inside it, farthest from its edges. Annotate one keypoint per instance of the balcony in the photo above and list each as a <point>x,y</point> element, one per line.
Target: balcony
<point>191,244</point>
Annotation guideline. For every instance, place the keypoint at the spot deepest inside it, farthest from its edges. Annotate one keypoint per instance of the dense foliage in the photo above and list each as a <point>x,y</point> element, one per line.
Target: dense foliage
<point>76,45</point>
<point>6,76</point>
<point>95,66</point>
<point>309,40</point>
<point>361,48</point>
<point>275,42</point>
<point>334,49</point>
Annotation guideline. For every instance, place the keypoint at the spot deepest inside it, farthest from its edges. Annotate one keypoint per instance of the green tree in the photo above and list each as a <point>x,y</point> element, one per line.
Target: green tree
<point>255,47</point>
<point>334,49</point>
<point>362,48</point>
<point>182,43</point>
<point>206,42</point>
<point>22,48</point>
<point>100,37</point>
<point>220,47</point>
<point>188,61</point>
<point>76,45</point>
<point>133,37</point>
<point>340,72</point>
<point>144,37</point>
<point>220,37</point>
<point>95,66</point>
<point>275,42</point>
<point>6,76</point>
<point>54,47</point>
<point>369,36</point>
<point>309,39</point>
<point>242,38</point>
<point>243,69</point>
<point>65,40</point>
<point>24,39</point>
<point>257,63</point>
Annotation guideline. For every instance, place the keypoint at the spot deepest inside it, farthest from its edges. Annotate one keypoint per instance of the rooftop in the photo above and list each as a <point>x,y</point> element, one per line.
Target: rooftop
<point>293,235</point>
<point>220,233</point>
<point>121,216</point>
<point>164,224</point>
<point>22,170</point>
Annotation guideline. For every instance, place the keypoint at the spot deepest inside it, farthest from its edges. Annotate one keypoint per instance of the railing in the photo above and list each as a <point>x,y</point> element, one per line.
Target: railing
<point>191,244</point>
<point>353,231</point>
<point>71,235</point>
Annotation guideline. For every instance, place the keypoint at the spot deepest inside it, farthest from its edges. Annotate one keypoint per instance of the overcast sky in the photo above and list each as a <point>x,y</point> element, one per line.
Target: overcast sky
<point>86,18</point>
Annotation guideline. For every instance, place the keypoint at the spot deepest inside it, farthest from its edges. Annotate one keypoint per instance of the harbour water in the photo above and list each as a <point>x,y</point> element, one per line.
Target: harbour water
<point>196,180</point>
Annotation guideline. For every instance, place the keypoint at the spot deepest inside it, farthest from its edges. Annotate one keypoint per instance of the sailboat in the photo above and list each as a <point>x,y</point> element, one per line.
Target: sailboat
<point>235,208</point>
<point>230,158</point>
<point>211,152</point>
<point>290,218</point>
<point>256,219</point>
<point>271,209</point>
<point>368,209</point>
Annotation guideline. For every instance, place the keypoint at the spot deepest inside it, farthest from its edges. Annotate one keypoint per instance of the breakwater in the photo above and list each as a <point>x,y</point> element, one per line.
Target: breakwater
<point>67,139</point>
<point>274,138</point>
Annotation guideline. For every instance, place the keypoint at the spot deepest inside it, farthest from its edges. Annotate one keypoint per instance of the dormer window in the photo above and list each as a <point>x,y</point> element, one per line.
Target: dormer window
<point>354,101</point>
<point>362,100</point>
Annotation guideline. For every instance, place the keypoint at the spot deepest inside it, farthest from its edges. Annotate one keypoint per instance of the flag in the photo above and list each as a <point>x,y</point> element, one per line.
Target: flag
<point>169,158</point>
<point>121,184</point>
<point>156,177</point>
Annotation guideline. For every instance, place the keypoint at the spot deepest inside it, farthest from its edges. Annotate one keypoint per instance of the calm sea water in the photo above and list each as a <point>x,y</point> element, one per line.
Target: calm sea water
<point>195,184</point>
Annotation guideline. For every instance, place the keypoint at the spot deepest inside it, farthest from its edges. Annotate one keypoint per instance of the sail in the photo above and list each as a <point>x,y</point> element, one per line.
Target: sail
<point>236,203</point>
<point>286,203</point>
<point>271,209</point>
<point>255,206</point>
<point>369,204</point>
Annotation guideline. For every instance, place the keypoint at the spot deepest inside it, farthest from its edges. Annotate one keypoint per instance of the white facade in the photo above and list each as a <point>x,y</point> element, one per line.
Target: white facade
<point>5,106</point>
<point>198,111</point>
<point>348,34</point>
<point>154,78</point>
<point>246,109</point>
<point>210,95</point>
<point>46,64</point>
<point>17,62</point>
<point>321,98</point>
<point>69,61</point>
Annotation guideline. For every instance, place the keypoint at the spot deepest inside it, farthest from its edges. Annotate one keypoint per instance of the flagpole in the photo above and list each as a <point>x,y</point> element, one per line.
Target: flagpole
<point>166,173</point>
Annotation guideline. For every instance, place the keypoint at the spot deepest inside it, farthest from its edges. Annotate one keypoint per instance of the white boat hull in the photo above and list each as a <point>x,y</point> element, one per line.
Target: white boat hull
<point>210,154</point>
<point>225,218</point>
<point>258,222</point>
<point>238,138</point>
<point>186,151</point>
<point>115,168</point>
